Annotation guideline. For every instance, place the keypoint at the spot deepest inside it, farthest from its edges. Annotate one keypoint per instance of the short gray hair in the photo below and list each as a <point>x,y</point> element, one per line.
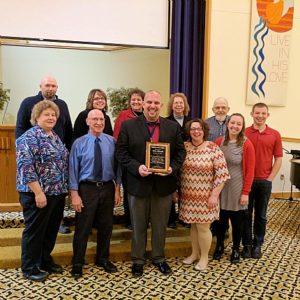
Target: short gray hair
<point>40,107</point>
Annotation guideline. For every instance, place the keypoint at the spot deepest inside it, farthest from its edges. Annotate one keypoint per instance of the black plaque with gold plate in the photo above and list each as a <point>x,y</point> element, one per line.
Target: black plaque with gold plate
<point>158,157</point>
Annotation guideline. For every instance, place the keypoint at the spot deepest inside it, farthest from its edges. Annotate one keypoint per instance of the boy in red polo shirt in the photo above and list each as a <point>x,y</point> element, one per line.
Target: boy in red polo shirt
<point>268,152</point>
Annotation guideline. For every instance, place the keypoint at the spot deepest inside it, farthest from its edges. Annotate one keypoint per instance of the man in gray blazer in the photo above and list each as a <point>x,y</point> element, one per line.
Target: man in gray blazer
<point>149,194</point>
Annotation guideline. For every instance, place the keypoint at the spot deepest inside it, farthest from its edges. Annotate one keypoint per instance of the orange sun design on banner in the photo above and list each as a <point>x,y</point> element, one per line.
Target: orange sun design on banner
<point>278,14</point>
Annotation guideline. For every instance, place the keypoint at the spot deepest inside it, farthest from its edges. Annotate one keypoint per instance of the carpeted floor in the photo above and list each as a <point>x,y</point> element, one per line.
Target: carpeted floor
<point>275,276</point>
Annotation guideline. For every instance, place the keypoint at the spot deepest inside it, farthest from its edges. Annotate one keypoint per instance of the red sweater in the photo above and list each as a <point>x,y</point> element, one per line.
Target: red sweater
<point>248,164</point>
<point>123,116</point>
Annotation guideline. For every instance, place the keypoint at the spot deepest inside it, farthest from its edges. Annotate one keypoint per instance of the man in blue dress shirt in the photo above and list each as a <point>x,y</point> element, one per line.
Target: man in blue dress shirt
<point>95,189</point>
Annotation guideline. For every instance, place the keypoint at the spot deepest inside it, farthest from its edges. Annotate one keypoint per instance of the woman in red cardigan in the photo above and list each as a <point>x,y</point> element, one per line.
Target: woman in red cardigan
<point>135,108</point>
<point>240,157</point>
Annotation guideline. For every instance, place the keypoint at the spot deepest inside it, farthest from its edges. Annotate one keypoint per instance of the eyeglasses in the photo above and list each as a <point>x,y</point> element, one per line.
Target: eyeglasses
<point>99,98</point>
<point>196,129</point>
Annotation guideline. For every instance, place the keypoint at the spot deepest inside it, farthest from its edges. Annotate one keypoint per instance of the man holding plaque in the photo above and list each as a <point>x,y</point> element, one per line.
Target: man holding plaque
<point>151,173</point>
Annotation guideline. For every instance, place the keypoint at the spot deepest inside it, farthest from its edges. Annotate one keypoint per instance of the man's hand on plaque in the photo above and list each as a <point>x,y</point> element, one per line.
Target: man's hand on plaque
<point>143,170</point>
<point>165,174</point>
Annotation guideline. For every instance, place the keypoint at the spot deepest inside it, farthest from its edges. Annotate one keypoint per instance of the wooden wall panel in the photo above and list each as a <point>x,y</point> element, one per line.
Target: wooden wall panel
<point>9,199</point>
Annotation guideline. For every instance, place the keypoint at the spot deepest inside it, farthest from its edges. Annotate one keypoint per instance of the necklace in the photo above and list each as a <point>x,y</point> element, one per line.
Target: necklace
<point>197,146</point>
<point>136,113</point>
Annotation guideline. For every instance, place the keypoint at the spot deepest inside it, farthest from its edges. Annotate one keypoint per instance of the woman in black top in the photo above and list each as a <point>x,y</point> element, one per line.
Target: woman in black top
<point>96,99</point>
<point>178,109</point>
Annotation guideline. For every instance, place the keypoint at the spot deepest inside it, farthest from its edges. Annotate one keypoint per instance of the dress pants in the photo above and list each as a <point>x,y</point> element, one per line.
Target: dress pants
<point>258,204</point>
<point>98,202</point>
<point>154,209</point>
<point>41,228</point>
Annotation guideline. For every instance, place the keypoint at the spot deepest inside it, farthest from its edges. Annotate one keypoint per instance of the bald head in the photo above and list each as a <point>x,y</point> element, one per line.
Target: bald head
<point>96,121</point>
<point>220,108</point>
<point>220,101</point>
<point>48,87</point>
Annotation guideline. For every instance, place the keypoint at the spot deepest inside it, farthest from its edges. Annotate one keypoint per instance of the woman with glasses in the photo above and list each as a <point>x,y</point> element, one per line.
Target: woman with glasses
<point>202,178</point>
<point>178,109</point>
<point>96,99</point>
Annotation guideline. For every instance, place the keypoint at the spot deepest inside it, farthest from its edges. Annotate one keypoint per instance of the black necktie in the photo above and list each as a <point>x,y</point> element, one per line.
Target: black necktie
<point>97,161</point>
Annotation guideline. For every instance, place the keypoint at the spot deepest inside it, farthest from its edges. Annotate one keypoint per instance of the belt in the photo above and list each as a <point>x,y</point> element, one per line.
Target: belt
<point>96,183</point>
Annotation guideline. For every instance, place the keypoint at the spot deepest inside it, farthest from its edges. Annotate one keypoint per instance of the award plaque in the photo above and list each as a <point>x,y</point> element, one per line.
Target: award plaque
<point>158,157</point>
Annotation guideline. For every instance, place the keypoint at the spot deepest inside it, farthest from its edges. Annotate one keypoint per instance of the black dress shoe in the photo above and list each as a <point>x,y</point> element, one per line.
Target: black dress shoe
<point>256,252</point>
<point>218,252</point>
<point>235,256</point>
<point>246,253</point>
<point>163,267</point>
<point>108,266</point>
<point>137,270</point>
<point>76,271</point>
<point>36,275</point>
<point>172,225</point>
<point>64,229</point>
<point>52,268</point>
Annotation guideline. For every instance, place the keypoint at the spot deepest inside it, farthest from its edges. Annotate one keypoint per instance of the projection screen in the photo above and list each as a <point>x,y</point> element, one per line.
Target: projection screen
<point>142,23</point>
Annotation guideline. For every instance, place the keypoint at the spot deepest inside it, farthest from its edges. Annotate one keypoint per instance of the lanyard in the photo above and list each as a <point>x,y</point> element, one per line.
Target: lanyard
<point>151,132</point>
<point>151,128</point>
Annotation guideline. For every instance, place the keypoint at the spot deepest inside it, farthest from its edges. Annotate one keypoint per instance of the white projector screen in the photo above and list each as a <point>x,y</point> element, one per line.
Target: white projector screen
<point>116,22</point>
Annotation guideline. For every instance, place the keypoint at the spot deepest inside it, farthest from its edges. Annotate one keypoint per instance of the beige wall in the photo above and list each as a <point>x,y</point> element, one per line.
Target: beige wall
<point>0,63</point>
<point>228,63</point>
<point>79,71</point>
<point>228,67</point>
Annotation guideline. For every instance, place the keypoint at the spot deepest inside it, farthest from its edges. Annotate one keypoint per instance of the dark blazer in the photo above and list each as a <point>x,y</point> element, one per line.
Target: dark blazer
<point>81,128</point>
<point>131,152</point>
<point>185,120</point>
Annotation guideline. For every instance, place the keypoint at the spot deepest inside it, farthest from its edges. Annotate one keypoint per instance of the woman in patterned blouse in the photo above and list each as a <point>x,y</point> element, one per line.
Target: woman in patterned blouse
<point>203,175</point>
<point>42,176</point>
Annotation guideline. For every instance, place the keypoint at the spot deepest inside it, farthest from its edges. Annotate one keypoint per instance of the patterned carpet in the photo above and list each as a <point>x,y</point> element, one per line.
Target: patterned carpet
<point>275,276</point>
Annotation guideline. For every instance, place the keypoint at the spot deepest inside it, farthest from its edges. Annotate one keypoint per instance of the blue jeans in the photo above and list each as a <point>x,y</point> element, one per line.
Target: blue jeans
<point>258,200</point>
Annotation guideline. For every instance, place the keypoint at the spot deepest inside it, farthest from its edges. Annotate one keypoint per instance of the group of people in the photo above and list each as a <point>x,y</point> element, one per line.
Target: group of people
<point>253,156</point>
<point>218,171</point>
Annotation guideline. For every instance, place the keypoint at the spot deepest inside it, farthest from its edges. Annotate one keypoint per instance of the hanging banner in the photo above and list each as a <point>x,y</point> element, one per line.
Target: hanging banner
<point>270,41</point>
